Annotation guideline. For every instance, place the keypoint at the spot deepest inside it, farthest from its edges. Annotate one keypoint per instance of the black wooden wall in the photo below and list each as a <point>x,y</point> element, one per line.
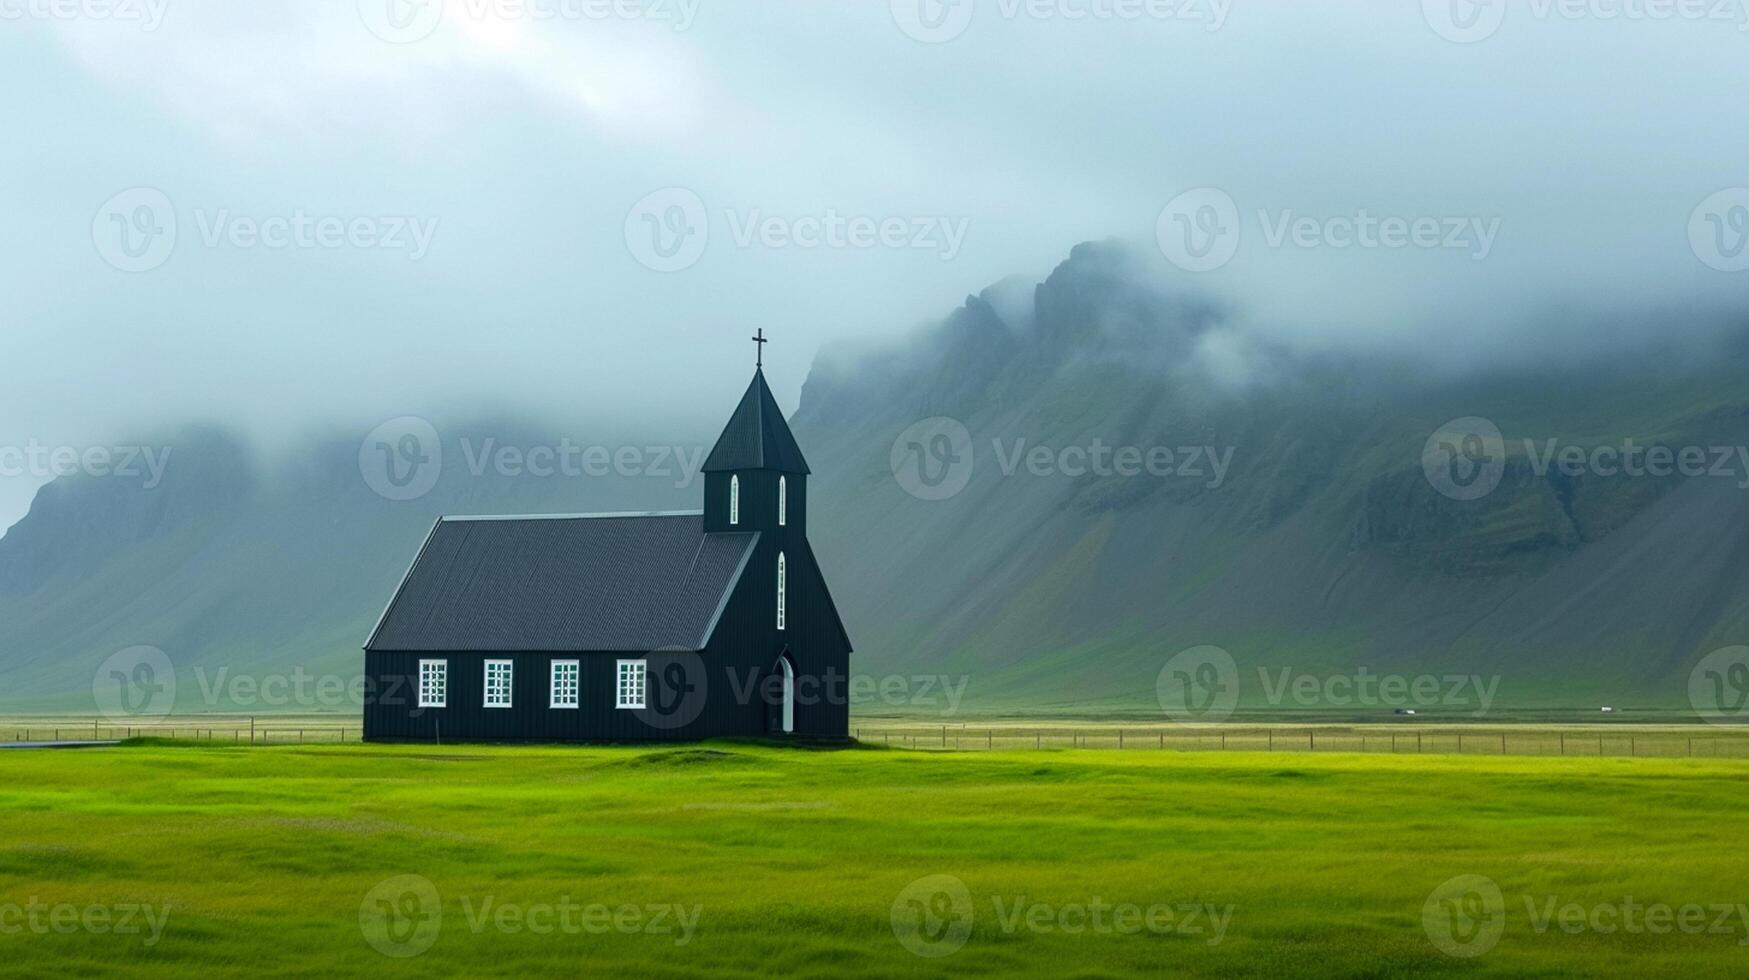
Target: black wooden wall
<point>728,689</point>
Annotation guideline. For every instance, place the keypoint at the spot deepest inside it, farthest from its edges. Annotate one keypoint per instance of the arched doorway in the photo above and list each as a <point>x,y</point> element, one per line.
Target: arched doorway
<point>789,695</point>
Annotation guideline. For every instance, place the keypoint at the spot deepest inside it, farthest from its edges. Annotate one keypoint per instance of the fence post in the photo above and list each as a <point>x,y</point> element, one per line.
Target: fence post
<point>1563,743</point>
<point>1120,738</point>
<point>1272,740</point>
<point>1502,743</point>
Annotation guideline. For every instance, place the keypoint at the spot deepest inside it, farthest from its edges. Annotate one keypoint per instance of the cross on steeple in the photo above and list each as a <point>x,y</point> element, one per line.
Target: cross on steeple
<point>759,338</point>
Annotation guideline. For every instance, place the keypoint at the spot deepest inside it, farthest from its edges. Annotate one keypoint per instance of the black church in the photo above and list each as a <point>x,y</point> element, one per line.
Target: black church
<point>623,627</point>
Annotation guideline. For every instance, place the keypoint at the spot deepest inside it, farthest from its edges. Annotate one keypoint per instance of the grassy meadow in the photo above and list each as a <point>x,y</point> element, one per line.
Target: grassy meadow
<point>735,859</point>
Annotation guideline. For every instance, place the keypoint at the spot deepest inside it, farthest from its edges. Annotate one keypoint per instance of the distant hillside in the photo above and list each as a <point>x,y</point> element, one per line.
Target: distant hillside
<point>232,565</point>
<point>1326,549</point>
<point>1310,539</point>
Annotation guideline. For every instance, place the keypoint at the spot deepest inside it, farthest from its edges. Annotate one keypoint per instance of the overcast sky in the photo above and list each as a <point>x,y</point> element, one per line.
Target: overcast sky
<point>383,208</point>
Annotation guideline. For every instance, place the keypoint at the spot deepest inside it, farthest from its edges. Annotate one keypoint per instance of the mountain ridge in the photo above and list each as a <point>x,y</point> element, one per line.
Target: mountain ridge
<point>1322,545</point>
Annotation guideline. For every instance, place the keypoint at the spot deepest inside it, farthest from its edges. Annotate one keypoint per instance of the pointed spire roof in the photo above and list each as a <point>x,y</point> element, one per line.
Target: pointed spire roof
<point>757,437</point>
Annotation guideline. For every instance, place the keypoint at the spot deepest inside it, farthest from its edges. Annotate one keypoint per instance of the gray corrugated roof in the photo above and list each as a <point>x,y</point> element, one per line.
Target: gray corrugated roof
<point>567,584</point>
<point>757,437</point>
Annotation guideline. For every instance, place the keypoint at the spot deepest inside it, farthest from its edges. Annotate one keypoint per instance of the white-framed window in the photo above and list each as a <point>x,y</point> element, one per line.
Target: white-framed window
<point>566,676</point>
<point>433,683</point>
<point>734,500</point>
<point>498,683</point>
<point>630,688</point>
<point>782,502</point>
<point>782,587</point>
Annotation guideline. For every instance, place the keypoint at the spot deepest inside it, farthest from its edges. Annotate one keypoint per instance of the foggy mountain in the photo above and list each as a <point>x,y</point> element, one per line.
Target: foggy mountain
<point>1049,493</point>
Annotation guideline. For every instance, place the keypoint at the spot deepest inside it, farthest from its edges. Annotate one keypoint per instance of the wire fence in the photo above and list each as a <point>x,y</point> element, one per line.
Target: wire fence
<point>1664,742</point>
<point>246,731</point>
<point>1546,742</point>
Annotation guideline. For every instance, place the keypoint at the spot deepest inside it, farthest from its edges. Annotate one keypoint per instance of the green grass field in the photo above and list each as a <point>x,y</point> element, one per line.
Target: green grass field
<point>733,859</point>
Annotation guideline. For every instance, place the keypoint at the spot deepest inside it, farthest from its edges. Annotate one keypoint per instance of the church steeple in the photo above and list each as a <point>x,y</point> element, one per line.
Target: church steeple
<point>755,476</point>
<point>757,437</point>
